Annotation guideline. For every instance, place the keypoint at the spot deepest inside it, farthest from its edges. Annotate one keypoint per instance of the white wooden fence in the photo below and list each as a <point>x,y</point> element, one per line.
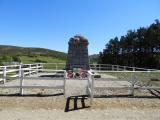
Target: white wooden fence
<point>99,67</point>
<point>24,72</point>
<point>130,78</point>
<point>15,70</point>
<point>23,77</point>
<point>109,67</point>
<point>90,86</point>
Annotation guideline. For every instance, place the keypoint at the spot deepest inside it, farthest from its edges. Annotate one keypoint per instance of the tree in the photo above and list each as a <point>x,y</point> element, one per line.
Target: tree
<point>16,59</point>
<point>139,48</point>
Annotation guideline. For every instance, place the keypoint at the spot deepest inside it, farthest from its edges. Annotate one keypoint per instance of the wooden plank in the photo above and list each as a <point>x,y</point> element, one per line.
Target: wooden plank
<point>9,86</point>
<point>12,66</point>
<point>1,79</point>
<point>156,88</point>
<point>26,73</point>
<point>1,72</point>
<point>44,87</point>
<point>104,71</point>
<point>109,79</point>
<point>112,88</point>
<point>34,78</point>
<point>33,67</point>
<point>90,72</point>
<point>13,76</point>
<point>39,67</point>
<point>76,79</point>
<point>143,88</point>
<point>40,87</point>
<point>42,78</point>
<point>33,72</point>
<point>13,70</point>
<point>50,70</point>
<point>25,68</point>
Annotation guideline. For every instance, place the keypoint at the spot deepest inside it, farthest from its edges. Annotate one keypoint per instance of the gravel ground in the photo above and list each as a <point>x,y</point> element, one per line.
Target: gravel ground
<point>50,108</point>
<point>73,87</point>
<point>108,114</point>
<point>55,106</point>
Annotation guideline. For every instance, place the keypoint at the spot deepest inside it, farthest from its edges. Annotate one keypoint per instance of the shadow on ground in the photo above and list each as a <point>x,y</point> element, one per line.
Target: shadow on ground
<point>72,103</point>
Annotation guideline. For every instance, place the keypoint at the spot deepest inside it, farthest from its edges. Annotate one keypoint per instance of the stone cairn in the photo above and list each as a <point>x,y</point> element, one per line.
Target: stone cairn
<point>77,53</point>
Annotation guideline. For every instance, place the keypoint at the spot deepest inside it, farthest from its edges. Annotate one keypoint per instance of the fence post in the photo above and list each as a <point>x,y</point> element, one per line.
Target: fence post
<point>133,82</point>
<point>21,82</point>
<point>37,65</point>
<point>112,67</point>
<point>99,67</point>
<point>95,67</point>
<point>56,66</point>
<point>117,67</point>
<point>30,70</point>
<point>134,68</point>
<point>64,84</point>
<point>124,68</point>
<point>41,70</point>
<point>92,89</point>
<point>4,74</point>
<point>149,74</point>
<point>20,67</point>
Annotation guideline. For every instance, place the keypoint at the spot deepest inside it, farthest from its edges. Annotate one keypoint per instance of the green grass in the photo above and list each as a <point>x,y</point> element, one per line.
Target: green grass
<point>29,60</point>
<point>54,67</point>
<point>47,60</point>
<point>11,73</point>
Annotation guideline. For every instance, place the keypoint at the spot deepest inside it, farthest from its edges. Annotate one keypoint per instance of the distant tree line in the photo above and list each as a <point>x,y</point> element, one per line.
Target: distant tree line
<point>139,48</point>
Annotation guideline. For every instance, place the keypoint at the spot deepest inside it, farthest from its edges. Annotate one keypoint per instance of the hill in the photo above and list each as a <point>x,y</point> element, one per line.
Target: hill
<point>94,58</point>
<point>30,55</point>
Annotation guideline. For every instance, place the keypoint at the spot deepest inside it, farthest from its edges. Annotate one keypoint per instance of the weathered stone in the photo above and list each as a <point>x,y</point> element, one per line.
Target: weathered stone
<point>77,53</point>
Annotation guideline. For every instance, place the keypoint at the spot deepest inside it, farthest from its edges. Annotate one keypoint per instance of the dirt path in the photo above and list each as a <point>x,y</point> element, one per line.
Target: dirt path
<point>108,114</point>
<point>53,108</point>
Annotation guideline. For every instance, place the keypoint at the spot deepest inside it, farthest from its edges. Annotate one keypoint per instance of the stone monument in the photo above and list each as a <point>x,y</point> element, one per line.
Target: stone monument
<point>77,53</point>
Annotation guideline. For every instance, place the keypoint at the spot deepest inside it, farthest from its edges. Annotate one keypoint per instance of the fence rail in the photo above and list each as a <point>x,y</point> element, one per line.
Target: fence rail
<point>22,78</point>
<point>120,73</point>
<point>110,67</point>
<point>15,70</point>
<point>132,78</point>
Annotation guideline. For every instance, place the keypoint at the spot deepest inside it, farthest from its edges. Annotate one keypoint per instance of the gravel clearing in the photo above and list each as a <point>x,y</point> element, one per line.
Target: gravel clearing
<point>108,114</point>
<point>50,108</point>
<point>53,105</point>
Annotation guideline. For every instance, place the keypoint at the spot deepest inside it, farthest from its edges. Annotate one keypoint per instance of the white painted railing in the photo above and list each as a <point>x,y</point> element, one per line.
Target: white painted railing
<point>23,78</point>
<point>98,67</point>
<point>15,70</point>
<point>22,71</point>
<point>109,67</point>
<point>131,77</point>
<point>90,86</point>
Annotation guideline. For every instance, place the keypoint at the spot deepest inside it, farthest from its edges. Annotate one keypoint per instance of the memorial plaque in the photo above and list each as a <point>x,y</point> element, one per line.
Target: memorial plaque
<point>77,53</point>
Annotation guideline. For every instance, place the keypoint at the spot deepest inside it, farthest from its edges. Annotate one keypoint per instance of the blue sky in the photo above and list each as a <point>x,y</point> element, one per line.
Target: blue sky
<point>50,23</point>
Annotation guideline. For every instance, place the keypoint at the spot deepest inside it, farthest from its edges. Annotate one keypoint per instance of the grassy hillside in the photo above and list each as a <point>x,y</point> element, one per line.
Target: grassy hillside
<point>30,55</point>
